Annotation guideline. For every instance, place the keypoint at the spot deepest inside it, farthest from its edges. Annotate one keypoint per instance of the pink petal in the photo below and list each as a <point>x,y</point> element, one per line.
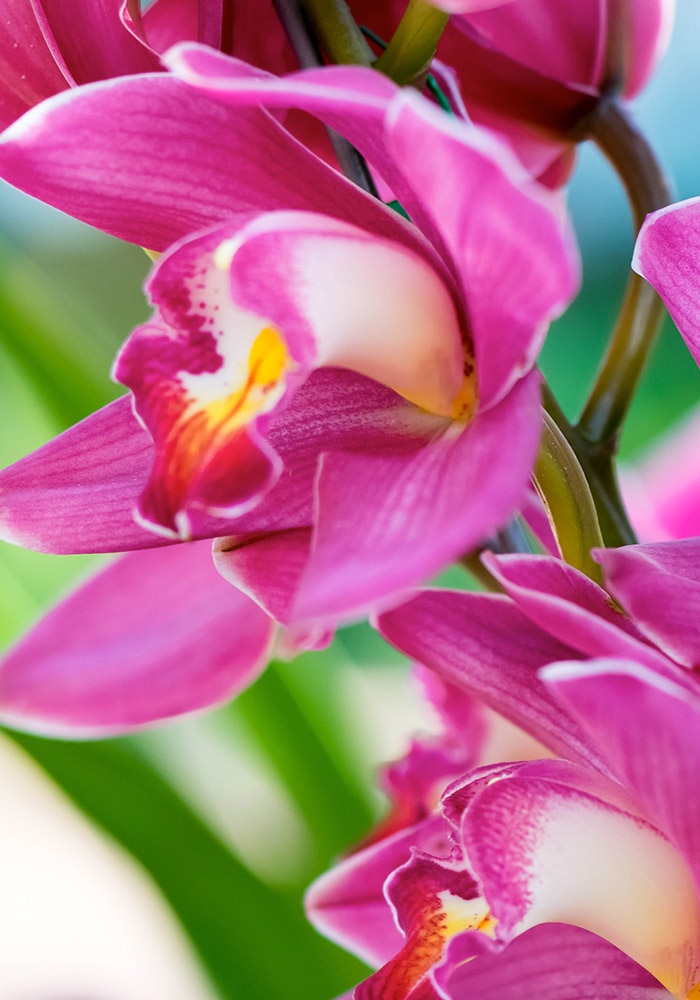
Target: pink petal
<point>467,6</point>
<point>78,492</point>
<point>659,586</point>
<point>387,523</point>
<point>28,71</point>
<point>666,254</point>
<point>564,41</point>
<point>571,607</point>
<point>484,644</point>
<point>546,852</point>
<point>652,22</point>
<point>168,177</point>
<point>206,376</point>
<point>268,568</point>
<point>605,695</point>
<point>432,901</point>
<point>548,962</point>
<point>352,99</point>
<point>90,42</point>
<point>166,22</point>
<point>348,905</point>
<point>662,491</point>
<point>346,298</point>
<point>516,258</point>
<point>154,635</point>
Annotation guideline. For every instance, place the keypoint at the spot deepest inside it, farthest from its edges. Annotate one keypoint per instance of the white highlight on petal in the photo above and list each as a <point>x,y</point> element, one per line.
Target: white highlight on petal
<point>383,312</point>
<point>607,871</point>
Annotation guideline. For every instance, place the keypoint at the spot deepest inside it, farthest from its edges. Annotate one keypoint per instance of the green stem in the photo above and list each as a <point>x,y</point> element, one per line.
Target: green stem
<point>599,470</point>
<point>407,56</point>
<point>337,33</point>
<point>296,28</point>
<point>640,315</point>
<point>564,490</point>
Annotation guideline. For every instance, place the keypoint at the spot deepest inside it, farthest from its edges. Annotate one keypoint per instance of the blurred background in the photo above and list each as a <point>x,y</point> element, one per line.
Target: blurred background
<point>172,864</point>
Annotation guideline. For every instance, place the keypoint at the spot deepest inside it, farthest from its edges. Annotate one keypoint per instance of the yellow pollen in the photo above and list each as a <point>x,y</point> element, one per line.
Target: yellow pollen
<point>465,915</point>
<point>695,992</point>
<point>268,357</point>
<point>268,361</point>
<point>464,402</point>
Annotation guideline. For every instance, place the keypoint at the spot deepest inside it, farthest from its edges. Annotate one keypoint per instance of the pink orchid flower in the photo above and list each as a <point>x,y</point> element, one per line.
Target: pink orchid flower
<point>571,877</point>
<point>662,488</point>
<point>536,69</point>
<point>666,254</point>
<point>344,399</point>
<point>50,46</point>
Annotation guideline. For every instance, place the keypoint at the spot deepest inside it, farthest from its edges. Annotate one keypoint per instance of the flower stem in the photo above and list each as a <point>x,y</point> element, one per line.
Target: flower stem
<point>407,56</point>
<point>337,33</point>
<point>564,490</point>
<point>640,315</point>
<point>599,470</point>
<point>309,55</point>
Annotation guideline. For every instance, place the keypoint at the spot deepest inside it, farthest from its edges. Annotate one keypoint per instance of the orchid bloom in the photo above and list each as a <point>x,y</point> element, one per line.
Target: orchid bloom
<point>344,399</point>
<point>662,487</point>
<point>553,877</point>
<point>537,69</point>
<point>50,46</point>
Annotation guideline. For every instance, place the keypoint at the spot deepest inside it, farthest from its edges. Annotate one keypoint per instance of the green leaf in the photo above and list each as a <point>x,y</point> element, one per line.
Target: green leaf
<point>254,941</point>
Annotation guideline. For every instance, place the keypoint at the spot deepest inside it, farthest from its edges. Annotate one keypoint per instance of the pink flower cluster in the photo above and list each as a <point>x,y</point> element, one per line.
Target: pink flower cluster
<point>337,391</point>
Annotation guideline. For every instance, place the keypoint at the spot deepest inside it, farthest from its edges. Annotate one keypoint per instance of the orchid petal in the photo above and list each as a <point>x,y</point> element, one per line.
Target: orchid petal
<point>27,68</point>
<point>644,578</point>
<point>166,22</point>
<point>426,508</point>
<point>348,905</point>
<point>517,260</point>
<point>570,606</point>
<point>468,6</point>
<point>141,188</point>
<point>154,635</point>
<point>89,41</point>
<point>660,770</point>
<point>88,479</point>
<point>91,476</point>
<point>544,852</point>
<point>550,962</point>
<point>666,254</point>
<point>357,301</point>
<point>564,41</point>
<point>662,491</point>
<point>484,644</point>
<point>432,901</point>
<point>205,374</point>
<point>268,569</point>
<point>351,99</point>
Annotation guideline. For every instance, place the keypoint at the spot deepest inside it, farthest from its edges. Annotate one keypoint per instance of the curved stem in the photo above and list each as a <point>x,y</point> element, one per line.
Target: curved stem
<point>599,470</point>
<point>309,55</point>
<point>641,312</point>
<point>338,34</point>
<point>564,490</point>
<point>408,54</point>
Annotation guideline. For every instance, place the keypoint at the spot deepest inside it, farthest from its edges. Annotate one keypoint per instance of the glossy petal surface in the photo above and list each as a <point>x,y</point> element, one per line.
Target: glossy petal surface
<point>154,635</point>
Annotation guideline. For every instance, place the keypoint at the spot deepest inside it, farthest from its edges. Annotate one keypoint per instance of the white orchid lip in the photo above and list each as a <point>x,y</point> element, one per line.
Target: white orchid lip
<point>369,304</point>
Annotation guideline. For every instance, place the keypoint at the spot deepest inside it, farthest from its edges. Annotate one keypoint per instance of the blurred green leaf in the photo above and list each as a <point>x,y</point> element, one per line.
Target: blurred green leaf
<point>67,371</point>
<point>336,814</point>
<point>255,942</point>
